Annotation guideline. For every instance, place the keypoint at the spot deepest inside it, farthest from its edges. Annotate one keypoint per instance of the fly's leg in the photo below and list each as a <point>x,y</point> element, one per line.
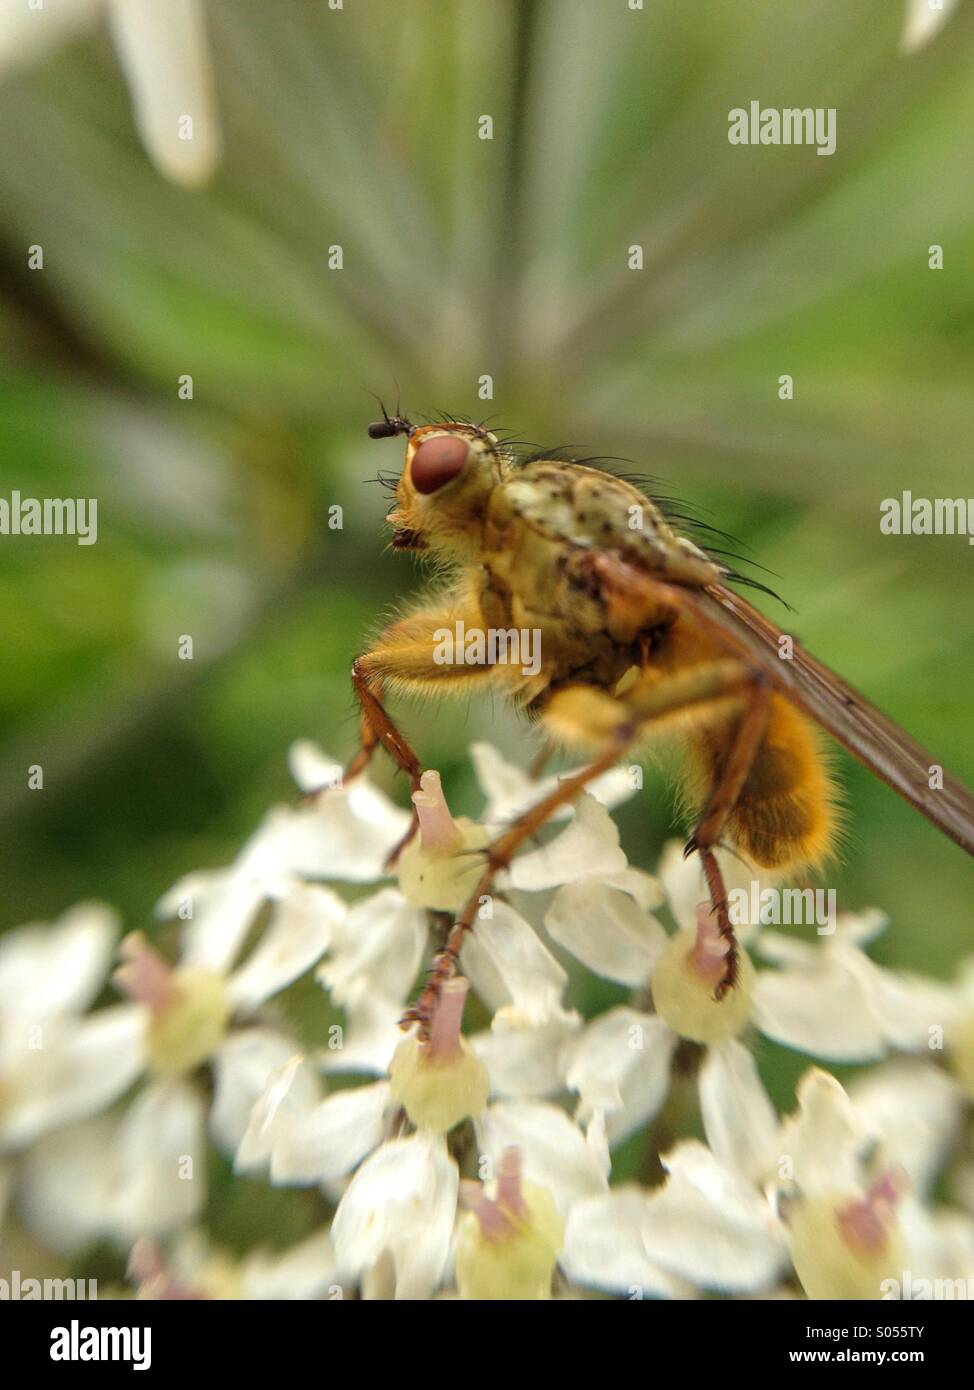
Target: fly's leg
<point>376,728</point>
<point>499,854</point>
<point>405,656</point>
<point>623,723</point>
<point>724,796</point>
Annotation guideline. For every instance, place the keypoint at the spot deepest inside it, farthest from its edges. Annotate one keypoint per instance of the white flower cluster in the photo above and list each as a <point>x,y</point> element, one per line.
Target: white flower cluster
<point>479,1164</point>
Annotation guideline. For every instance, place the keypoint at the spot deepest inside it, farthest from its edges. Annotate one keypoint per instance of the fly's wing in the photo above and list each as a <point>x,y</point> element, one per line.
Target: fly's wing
<point>879,743</point>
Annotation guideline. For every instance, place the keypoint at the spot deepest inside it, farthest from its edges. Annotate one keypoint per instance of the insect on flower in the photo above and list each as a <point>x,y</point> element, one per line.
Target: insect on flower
<point>639,632</point>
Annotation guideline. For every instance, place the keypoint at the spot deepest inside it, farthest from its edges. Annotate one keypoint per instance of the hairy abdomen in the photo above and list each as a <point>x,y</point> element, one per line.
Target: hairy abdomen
<point>786,815</point>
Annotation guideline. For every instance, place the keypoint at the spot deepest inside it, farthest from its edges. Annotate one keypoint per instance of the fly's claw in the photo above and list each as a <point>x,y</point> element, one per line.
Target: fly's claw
<point>421,1013</point>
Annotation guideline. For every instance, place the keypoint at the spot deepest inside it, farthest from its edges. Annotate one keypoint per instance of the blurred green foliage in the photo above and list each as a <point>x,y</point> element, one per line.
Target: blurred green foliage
<point>462,257</point>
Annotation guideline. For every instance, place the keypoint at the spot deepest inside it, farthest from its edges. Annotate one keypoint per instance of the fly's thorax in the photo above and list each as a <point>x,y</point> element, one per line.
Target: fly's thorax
<point>584,507</point>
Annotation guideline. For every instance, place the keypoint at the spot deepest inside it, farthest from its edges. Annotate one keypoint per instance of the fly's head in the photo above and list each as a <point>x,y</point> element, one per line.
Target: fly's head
<point>449,472</point>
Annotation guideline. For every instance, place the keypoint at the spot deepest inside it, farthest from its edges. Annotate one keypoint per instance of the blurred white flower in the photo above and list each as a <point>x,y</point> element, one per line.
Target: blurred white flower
<point>400,1207</point>
<point>510,790</point>
<point>142,1171</point>
<point>829,999</point>
<point>162,48</point>
<point>58,1064</point>
<point>193,1268</point>
<point>845,1176</point>
<point>135,1172</point>
<point>341,834</point>
<point>924,19</point>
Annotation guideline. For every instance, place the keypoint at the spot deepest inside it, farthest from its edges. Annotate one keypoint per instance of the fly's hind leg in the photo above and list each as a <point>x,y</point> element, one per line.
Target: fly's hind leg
<point>574,710</point>
<point>652,698</point>
<point>724,796</point>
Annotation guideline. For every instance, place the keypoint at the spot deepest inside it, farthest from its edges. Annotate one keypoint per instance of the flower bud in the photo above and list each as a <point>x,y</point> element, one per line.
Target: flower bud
<point>188,1008</point>
<point>509,1243</point>
<point>440,868</point>
<point>440,1082</point>
<point>846,1247</point>
<point>688,972</point>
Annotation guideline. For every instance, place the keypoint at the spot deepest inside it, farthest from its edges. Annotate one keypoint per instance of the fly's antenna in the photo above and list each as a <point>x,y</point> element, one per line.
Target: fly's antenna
<point>390,425</point>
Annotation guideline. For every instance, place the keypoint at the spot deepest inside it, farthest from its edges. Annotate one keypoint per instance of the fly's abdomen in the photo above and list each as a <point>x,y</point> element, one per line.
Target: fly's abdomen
<point>786,816</point>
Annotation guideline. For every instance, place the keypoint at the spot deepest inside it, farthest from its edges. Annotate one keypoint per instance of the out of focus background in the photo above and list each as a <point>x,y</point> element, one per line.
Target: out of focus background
<point>460,257</point>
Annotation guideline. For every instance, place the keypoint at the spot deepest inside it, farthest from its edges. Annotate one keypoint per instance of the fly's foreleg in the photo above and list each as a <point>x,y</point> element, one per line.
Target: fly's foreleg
<point>377,728</point>
<point>406,657</point>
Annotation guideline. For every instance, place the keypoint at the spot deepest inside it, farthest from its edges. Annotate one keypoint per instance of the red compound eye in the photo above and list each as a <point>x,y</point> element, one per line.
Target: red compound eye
<point>436,461</point>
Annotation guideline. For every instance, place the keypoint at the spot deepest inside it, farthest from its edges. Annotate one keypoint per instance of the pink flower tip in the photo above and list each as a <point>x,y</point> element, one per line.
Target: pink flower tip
<point>437,828</point>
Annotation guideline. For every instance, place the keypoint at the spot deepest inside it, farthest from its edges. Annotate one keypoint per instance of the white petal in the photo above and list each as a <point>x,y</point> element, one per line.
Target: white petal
<point>859,928</point>
<point>306,1270</point>
<point>376,952</point>
<point>646,890</point>
<point>738,1117</point>
<point>222,905</point>
<point>243,1066</point>
<point>401,1203</point>
<point>828,1012</point>
<point>141,1172</point>
<point>604,929</point>
<point>524,1058</point>
<point>621,1066</point>
<point>822,1146</point>
<point>333,1137</point>
<point>46,970</point>
<point>912,1010</point>
<point>26,34</point>
<point>162,1161</point>
<point>924,19</point>
<point>289,1093</point>
<point>367,1040</point>
<point>589,846</point>
<point>555,1153</point>
<point>346,834</point>
<point>706,1225</point>
<point>940,1245</point>
<point>311,768</point>
<point>532,978</point>
<point>163,51</point>
<point>510,790</point>
<point>303,925</point>
<point>789,950</point>
<point>604,1247</point>
<point>81,1068</point>
<point>916,1110</point>
<point>69,1183</point>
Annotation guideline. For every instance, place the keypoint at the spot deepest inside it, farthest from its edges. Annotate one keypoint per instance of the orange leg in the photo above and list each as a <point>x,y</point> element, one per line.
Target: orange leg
<point>376,728</point>
<point>720,804</point>
<point>499,855</point>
